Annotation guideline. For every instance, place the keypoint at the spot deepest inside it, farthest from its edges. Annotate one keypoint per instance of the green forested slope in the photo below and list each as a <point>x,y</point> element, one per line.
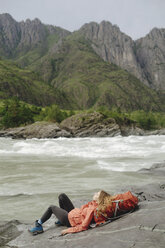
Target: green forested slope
<point>26,85</point>
<point>74,77</point>
<point>88,81</point>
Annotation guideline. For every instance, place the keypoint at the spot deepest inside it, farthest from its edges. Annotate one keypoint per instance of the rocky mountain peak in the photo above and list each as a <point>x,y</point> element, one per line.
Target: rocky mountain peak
<point>9,34</point>
<point>35,21</point>
<point>94,30</point>
<point>32,32</point>
<point>112,45</point>
<point>150,52</point>
<point>157,32</point>
<point>20,37</point>
<point>144,58</point>
<point>6,18</point>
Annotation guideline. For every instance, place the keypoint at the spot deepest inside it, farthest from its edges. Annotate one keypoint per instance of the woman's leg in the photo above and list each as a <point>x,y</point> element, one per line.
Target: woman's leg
<point>60,213</point>
<point>65,203</point>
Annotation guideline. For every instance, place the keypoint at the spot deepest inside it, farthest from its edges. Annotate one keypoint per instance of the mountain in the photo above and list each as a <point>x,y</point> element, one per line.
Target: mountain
<point>27,86</point>
<point>88,81</point>
<point>113,46</point>
<point>150,53</point>
<point>27,41</point>
<point>144,58</point>
<point>84,69</point>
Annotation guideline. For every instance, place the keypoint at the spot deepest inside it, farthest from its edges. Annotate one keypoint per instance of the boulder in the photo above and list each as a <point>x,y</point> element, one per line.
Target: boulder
<point>91,125</point>
<point>36,130</point>
<point>8,231</point>
<point>80,125</point>
<point>131,130</point>
<point>144,227</point>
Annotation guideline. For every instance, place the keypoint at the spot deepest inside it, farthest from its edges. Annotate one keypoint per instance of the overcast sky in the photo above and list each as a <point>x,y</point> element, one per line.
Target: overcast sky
<point>134,17</point>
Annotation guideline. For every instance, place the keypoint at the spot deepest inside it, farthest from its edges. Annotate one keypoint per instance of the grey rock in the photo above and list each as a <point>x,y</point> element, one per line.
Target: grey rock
<point>131,130</point>
<point>150,52</point>
<point>23,36</point>
<point>8,231</point>
<point>81,125</point>
<point>9,34</point>
<point>143,228</point>
<point>156,169</point>
<point>156,132</point>
<point>32,32</point>
<point>113,46</point>
<point>144,58</point>
<point>37,130</point>
<point>91,125</point>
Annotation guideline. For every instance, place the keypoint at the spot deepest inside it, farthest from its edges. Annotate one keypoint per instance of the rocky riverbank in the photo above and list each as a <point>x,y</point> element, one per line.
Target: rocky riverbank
<point>143,228</point>
<point>80,125</point>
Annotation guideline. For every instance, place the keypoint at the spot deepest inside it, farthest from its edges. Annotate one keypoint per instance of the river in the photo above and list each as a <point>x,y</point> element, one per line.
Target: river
<point>33,172</point>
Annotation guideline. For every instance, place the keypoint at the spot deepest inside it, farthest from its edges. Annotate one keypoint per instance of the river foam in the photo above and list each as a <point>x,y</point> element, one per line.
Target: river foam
<point>33,172</point>
<point>117,153</point>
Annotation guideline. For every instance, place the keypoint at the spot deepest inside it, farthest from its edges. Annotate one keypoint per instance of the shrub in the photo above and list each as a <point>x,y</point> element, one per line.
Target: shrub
<point>146,120</point>
<point>53,113</point>
<point>14,113</point>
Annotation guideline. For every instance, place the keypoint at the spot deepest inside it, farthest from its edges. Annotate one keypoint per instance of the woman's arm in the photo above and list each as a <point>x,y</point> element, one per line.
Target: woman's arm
<point>82,227</point>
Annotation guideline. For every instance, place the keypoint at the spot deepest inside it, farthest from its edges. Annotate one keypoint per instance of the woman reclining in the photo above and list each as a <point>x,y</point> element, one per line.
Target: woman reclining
<point>102,207</point>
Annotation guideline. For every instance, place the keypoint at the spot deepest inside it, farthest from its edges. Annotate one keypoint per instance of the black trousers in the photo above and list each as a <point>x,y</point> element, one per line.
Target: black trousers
<point>60,212</point>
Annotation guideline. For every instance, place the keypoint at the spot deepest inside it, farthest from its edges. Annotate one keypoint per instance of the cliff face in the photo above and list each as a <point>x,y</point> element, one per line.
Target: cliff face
<point>9,34</point>
<point>73,62</point>
<point>150,52</point>
<point>144,58</point>
<point>18,38</point>
<point>113,46</point>
<point>31,33</point>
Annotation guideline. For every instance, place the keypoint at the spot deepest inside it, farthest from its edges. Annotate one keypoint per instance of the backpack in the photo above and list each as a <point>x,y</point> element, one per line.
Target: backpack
<point>123,203</point>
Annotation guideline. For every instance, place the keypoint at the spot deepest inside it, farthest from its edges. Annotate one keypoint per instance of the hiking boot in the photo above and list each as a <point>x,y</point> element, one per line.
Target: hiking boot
<point>37,229</point>
<point>58,223</point>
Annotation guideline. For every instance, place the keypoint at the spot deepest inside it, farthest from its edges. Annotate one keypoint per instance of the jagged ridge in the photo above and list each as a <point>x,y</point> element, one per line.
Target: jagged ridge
<point>68,62</point>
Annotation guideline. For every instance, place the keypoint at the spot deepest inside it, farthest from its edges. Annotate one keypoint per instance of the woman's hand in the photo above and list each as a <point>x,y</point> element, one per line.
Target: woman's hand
<point>64,231</point>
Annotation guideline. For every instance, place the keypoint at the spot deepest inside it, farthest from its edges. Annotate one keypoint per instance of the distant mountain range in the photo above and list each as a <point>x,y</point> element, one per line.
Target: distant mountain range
<point>97,65</point>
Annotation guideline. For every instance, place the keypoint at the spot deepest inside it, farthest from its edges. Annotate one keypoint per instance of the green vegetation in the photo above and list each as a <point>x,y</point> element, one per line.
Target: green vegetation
<point>54,114</point>
<point>27,86</point>
<point>13,113</point>
<point>146,120</point>
<point>88,81</point>
<point>30,56</point>
<point>72,76</point>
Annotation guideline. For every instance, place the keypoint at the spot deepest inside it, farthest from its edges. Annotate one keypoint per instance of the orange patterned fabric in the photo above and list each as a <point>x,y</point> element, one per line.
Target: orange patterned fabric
<point>80,218</point>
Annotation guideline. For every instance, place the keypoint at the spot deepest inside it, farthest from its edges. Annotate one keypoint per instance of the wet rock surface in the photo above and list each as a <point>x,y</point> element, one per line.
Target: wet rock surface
<point>93,124</point>
<point>143,228</point>
<point>8,231</point>
<point>37,130</point>
<point>80,125</point>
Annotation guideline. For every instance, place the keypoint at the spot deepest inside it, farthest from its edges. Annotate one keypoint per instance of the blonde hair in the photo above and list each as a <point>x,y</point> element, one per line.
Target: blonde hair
<point>104,201</point>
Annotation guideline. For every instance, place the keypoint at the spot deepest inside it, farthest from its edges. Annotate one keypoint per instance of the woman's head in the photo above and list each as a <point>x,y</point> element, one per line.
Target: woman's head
<point>96,196</point>
<point>100,195</point>
<point>104,200</point>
